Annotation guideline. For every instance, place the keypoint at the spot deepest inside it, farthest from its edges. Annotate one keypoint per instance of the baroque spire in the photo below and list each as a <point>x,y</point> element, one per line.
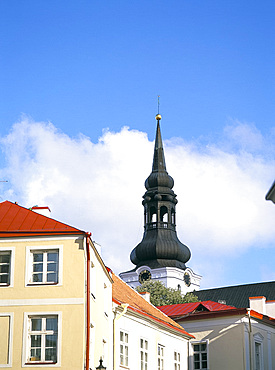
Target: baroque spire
<point>160,246</point>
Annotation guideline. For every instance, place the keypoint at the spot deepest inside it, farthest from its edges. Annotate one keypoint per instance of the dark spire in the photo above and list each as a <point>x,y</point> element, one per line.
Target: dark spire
<point>160,246</point>
<point>159,160</point>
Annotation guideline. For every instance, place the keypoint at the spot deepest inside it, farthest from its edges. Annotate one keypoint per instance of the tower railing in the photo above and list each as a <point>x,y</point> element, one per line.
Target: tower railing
<point>159,225</point>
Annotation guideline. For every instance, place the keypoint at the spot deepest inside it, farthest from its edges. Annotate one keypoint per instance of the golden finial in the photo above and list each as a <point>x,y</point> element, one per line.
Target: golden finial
<point>158,116</point>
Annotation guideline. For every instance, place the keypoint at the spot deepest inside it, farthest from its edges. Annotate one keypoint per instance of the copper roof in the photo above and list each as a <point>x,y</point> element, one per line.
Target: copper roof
<point>123,293</point>
<point>238,295</point>
<point>181,309</point>
<point>19,221</point>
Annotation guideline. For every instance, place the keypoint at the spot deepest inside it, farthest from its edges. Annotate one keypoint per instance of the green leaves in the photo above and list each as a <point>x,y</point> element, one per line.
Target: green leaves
<point>160,295</point>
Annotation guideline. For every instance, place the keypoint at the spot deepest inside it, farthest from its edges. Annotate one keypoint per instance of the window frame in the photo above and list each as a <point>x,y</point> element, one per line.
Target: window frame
<point>160,356</point>
<point>124,355</point>
<point>26,339</point>
<point>29,264</point>
<point>144,351</point>
<point>177,360</point>
<point>11,320</point>
<point>11,251</point>
<point>192,344</point>
<point>258,340</point>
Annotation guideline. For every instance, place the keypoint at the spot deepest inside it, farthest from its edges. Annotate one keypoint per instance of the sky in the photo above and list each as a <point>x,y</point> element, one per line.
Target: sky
<point>79,82</point>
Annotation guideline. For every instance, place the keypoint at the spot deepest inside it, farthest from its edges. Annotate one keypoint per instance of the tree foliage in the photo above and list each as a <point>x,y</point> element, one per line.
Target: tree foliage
<point>160,295</point>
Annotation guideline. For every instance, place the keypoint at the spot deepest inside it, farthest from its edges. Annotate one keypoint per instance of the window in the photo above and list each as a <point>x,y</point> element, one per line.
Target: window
<point>200,356</point>
<point>5,267</point>
<point>176,360</point>
<point>6,328</point>
<point>160,357</point>
<point>258,351</point>
<point>44,265</point>
<point>42,341</point>
<point>143,354</point>
<point>257,356</point>
<point>124,348</point>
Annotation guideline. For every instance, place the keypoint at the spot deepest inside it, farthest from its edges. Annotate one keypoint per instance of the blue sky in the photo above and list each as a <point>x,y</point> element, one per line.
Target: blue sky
<point>70,70</point>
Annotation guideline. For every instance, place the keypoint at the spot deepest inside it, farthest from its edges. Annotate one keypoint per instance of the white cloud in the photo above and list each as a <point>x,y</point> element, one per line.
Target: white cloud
<point>98,187</point>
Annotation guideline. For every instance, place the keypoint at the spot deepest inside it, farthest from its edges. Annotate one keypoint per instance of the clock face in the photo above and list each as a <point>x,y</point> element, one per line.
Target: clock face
<point>187,279</point>
<point>144,275</point>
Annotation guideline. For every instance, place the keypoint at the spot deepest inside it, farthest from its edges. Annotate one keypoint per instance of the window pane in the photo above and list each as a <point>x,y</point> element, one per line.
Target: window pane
<point>50,350</point>
<point>204,364</point>
<point>203,347</point>
<point>51,323</point>
<point>50,354</point>
<point>38,267</point>
<point>38,257</point>
<point>52,257</point>
<point>4,269</point>
<point>52,277</point>
<point>204,356</point>
<point>35,354</point>
<point>36,324</point>
<point>126,338</point>
<point>5,257</point>
<point>36,340</point>
<point>146,344</point>
<point>4,279</point>
<point>121,336</point>
<point>37,278</point>
<point>196,347</point>
<point>197,365</point>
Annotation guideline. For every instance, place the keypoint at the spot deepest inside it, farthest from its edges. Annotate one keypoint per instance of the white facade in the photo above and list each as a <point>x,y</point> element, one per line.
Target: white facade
<point>239,342</point>
<point>171,277</point>
<point>141,343</point>
<point>261,305</point>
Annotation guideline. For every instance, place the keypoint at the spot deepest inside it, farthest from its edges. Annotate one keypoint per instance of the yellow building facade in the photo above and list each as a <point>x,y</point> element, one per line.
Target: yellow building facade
<point>55,294</point>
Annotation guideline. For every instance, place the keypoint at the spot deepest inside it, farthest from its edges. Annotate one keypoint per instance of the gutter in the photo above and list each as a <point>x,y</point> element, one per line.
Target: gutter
<point>88,305</point>
<point>124,306</point>
<point>250,339</point>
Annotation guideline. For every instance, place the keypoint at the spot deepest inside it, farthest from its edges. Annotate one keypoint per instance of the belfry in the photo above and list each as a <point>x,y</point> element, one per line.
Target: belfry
<point>160,255</point>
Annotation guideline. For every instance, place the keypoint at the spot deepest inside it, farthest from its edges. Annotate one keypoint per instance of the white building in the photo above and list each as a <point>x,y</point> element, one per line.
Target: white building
<point>144,337</point>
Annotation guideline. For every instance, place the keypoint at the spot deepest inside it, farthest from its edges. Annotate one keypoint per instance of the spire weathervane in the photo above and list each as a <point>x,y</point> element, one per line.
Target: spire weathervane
<point>158,116</point>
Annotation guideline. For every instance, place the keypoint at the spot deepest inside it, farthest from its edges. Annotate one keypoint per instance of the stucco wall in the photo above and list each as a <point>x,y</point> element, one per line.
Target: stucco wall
<point>138,328</point>
<point>67,300</point>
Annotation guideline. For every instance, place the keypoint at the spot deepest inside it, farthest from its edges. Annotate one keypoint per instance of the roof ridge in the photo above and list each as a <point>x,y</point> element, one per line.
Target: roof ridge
<point>21,220</point>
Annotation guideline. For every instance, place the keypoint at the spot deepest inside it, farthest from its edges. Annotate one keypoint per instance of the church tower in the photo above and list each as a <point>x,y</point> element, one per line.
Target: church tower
<point>160,255</point>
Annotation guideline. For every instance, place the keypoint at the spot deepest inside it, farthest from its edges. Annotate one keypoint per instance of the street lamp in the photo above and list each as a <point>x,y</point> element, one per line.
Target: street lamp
<point>100,367</point>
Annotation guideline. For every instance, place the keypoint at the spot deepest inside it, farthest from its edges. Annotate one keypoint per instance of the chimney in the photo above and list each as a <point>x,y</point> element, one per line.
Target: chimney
<point>258,304</point>
<point>145,295</point>
<point>44,211</point>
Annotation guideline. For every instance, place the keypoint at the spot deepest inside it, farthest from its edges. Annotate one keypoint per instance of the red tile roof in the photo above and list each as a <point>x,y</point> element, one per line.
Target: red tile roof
<point>19,221</point>
<point>123,293</point>
<point>181,309</point>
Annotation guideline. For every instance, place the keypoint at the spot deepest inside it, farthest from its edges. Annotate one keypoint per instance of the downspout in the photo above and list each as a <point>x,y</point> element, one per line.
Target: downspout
<point>250,340</point>
<point>124,306</point>
<point>88,305</point>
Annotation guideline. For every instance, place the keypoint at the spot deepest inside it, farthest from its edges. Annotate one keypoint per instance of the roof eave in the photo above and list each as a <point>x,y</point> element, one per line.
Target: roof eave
<point>271,193</point>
